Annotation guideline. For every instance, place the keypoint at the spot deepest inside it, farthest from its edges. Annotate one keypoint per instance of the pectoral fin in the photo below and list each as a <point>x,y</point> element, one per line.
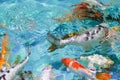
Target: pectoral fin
<point>52,48</point>
<point>71,35</point>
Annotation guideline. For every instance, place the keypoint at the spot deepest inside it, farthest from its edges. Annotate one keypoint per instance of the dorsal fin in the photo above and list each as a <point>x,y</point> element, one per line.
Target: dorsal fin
<point>70,35</point>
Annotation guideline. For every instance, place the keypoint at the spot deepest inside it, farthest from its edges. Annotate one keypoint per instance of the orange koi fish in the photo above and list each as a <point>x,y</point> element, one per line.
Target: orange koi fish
<point>4,52</point>
<point>78,68</point>
<point>103,76</point>
<point>85,12</point>
<point>4,45</point>
<point>81,11</point>
<point>2,61</point>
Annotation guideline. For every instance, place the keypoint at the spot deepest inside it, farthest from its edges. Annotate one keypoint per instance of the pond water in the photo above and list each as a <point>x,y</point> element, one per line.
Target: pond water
<point>27,23</point>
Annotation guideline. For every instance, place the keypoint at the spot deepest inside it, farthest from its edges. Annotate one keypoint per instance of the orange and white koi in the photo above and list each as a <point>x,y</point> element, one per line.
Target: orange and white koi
<point>103,76</point>
<point>79,69</point>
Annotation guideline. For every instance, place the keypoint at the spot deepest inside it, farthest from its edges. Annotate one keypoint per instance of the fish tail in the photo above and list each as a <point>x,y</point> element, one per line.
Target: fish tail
<point>52,48</point>
<point>53,39</point>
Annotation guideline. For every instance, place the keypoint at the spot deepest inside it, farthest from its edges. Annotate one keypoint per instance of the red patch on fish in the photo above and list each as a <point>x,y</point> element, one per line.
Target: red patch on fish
<point>77,65</point>
<point>74,65</point>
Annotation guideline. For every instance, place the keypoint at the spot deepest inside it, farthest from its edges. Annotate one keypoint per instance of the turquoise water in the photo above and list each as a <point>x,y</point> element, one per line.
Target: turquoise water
<point>29,21</point>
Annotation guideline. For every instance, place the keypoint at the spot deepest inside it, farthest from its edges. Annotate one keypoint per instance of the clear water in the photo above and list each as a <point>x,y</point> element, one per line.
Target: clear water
<point>31,20</point>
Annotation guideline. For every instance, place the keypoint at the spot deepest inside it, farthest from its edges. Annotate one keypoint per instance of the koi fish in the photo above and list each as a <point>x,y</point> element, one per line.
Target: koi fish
<point>2,61</point>
<point>46,74</point>
<point>10,73</point>
<point>80,12</point>
<point>103,76</point>
<point>86,40</point>
<point>101,61</point>
<point>87,13</point>
<point>79,69</point>
<point>5,52</point>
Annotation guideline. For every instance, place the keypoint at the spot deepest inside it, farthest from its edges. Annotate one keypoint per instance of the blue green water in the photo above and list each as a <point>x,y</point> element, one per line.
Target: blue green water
<point>29,21</point>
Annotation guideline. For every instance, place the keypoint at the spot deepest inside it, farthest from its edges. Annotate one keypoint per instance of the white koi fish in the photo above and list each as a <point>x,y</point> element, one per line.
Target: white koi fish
<point>11,72</point>
<point>101,61</point>
<point>46,74</point>
<point>87,40</point>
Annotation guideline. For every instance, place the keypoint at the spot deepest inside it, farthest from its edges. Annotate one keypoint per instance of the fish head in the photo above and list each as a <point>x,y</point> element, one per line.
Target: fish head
<point>67,61</point>
<point>72,63</point>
